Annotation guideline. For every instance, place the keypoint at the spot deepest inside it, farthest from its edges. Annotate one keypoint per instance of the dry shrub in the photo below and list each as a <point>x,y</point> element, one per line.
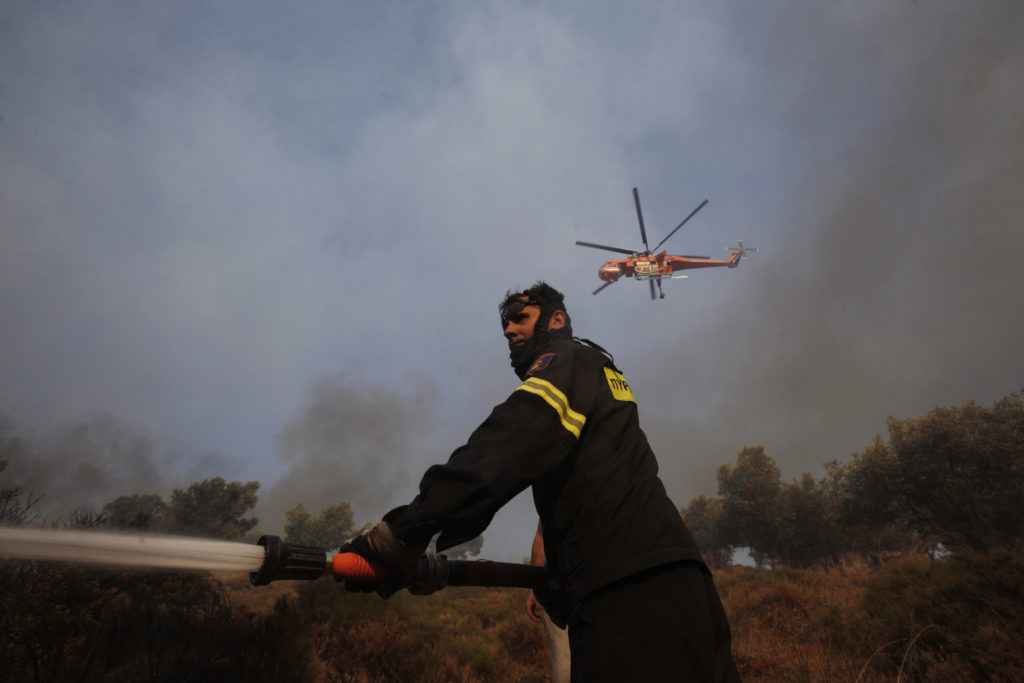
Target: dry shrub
<point>459,634</point>
<point>369,651</point>
<point>64,623</point>
<point>521,638</point>
<point>773,627</point>
<point>919,619</point>
<point>255,599</point>
<point>966,609</point>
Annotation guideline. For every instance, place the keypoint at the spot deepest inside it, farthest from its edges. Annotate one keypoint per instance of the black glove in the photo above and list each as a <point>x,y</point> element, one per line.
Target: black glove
<point>554,600</point>
<point>380,546</point>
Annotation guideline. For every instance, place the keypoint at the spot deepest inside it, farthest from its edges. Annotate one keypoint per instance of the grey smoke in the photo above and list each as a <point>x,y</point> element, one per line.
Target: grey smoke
<point>356,439</point>
<point>204,212</point>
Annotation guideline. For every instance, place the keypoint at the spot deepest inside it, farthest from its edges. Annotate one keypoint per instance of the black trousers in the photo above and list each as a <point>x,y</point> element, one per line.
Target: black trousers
<point>664,624</point>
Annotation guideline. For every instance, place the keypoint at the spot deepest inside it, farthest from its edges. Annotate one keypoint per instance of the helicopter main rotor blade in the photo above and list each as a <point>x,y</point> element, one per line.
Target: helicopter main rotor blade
<point>681,224</point>
<point>640,217</point>
<point>602,287</point>
<point>604,246</point>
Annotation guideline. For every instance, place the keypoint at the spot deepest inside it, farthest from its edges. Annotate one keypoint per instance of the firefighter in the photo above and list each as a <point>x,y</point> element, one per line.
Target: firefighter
<point>627,578</point>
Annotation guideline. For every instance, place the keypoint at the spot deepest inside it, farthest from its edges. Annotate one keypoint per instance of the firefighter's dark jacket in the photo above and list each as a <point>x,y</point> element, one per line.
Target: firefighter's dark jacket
<point>571,431</point>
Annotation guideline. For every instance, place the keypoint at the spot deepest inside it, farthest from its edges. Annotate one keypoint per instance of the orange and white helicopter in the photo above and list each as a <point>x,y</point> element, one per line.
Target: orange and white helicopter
<point>647,265</point>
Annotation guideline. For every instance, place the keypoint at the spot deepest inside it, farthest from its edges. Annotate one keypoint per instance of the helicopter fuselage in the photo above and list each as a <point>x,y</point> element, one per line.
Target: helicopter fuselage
<point>661,266</point>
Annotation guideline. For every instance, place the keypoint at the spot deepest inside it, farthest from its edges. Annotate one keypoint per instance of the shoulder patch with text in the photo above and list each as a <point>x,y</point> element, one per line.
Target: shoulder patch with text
<point>540,363</point>
<point>617,383</point>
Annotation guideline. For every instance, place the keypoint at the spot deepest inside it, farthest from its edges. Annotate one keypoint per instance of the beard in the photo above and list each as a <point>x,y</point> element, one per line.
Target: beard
<point>523,355</point>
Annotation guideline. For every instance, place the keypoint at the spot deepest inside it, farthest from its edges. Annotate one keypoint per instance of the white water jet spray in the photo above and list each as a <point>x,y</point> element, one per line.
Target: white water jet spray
<point>131,550</point>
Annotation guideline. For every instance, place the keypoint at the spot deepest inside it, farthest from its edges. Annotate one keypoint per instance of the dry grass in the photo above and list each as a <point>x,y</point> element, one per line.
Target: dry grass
<point>915,619</point>
<point>255,599</point>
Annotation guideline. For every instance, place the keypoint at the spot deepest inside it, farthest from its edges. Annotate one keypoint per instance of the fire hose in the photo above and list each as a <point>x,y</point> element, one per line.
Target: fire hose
<point>434,571</point>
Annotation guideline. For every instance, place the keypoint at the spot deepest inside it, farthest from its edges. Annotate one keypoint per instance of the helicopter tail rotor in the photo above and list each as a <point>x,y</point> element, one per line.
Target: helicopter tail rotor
<point>742,250</point>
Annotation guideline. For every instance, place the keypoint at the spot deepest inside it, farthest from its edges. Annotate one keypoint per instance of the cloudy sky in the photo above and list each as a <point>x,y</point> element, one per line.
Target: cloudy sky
<point>267,242</point>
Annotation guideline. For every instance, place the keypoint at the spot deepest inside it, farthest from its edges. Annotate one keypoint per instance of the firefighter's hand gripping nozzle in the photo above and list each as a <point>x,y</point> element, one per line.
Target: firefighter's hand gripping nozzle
<point>433,571</point>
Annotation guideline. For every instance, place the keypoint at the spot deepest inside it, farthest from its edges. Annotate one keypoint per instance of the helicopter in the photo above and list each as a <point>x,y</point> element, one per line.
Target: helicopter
<point>647,265</point>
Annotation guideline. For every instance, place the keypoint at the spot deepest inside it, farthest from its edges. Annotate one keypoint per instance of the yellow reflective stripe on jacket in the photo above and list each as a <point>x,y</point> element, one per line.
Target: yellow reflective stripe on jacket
<point>571,420</point>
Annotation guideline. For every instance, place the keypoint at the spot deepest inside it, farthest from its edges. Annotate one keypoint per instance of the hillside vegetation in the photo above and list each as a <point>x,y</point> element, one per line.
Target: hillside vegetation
<point>914,619</point>
<point>903,563</point>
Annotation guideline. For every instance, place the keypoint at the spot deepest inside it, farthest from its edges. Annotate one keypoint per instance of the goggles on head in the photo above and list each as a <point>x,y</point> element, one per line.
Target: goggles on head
<point>514,306</point>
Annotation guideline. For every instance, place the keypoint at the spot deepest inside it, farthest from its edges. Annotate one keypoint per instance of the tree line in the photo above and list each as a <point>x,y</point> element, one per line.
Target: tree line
<point>948,481</point>
<point>212,508</point>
